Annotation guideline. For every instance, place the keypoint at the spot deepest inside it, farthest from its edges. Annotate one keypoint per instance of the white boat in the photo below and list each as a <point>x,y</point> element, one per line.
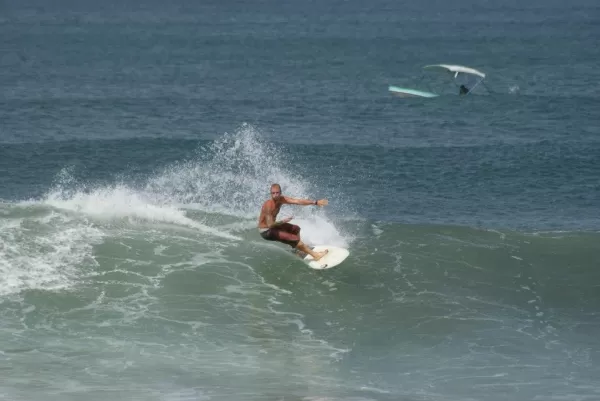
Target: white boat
<point>466,78</point>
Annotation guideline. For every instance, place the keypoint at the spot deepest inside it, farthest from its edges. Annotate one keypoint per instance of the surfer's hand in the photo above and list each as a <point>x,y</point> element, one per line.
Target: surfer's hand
<point>287,219</point>
<point>322,202</point>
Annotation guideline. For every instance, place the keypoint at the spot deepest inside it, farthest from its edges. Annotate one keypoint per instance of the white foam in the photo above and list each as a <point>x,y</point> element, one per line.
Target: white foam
<point>49,253</point>
<point>232,177</point>
<point>229,177</point>
<point>317,230</point>
<point>121,202</point>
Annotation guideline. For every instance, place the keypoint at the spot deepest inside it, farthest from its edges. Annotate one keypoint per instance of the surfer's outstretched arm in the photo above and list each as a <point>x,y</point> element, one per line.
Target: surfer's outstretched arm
<point>305,202</point>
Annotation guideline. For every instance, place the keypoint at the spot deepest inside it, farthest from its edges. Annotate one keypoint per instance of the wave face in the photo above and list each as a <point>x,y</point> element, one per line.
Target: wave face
<point>161,286</point>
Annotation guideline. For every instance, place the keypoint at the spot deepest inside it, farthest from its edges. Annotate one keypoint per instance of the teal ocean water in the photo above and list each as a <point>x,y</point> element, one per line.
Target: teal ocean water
<point>139,140</point>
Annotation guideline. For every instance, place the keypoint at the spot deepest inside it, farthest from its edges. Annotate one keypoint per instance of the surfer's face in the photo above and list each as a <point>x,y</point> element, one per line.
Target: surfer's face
<point>275,193</point>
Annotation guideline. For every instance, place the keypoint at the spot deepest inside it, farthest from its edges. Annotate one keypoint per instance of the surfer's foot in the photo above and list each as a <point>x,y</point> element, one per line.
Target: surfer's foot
<point>319,255</point>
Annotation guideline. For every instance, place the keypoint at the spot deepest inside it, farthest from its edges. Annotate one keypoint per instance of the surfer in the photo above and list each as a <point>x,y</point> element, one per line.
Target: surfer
<point>283,231</point>
<point>463,90</point>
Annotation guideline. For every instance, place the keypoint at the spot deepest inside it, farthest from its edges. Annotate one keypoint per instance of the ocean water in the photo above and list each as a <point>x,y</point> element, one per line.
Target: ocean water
<point>138,141</point>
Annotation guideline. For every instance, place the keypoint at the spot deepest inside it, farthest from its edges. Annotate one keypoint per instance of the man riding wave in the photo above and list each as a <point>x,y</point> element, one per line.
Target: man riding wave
<point>283,231</point>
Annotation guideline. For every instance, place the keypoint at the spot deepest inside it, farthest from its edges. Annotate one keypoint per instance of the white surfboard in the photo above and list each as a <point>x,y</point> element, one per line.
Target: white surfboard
<point>334,257</point>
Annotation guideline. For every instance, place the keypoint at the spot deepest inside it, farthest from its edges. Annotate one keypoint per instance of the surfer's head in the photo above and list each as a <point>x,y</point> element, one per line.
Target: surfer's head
<point>275,192</point>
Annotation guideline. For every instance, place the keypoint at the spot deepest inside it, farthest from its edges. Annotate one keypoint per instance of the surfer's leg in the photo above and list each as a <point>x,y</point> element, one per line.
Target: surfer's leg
<point>277,234</point>
<point>290,228</point>
<point>292,239</point>
<point>316,255</point>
